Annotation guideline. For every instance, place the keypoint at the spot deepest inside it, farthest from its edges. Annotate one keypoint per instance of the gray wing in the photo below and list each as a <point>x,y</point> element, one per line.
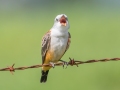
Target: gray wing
<point>45,45</point>
<point>69,41</point>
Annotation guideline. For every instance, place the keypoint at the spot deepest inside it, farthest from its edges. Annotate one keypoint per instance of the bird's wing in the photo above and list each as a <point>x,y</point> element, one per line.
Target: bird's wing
<point>45,45</point>
<point>69,41</point>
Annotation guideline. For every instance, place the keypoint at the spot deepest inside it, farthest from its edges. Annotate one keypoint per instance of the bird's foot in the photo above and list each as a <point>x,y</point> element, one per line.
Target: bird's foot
<point>64,63</point>
<point>52,64</point>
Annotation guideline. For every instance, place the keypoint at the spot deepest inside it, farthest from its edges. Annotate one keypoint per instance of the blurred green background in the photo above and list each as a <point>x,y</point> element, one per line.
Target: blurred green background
<point>95,30</point>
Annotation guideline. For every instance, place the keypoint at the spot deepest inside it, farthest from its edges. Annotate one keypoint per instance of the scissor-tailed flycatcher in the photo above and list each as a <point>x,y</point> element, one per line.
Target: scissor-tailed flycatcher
<point>55,43</point>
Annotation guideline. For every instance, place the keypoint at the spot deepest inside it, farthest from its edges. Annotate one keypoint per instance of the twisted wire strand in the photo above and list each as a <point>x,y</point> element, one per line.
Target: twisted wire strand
<point>70,63</point>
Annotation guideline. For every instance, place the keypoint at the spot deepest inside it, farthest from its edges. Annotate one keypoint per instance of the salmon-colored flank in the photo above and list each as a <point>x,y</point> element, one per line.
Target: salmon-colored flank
<point>48,58</point>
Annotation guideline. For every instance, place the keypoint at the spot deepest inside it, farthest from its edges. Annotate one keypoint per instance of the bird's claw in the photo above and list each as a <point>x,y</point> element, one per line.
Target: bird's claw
<point>52,64</point>
<point>64,63</point>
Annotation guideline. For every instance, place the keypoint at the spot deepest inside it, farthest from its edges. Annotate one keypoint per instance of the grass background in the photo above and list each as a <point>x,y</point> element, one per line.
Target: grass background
<point>95,31</point>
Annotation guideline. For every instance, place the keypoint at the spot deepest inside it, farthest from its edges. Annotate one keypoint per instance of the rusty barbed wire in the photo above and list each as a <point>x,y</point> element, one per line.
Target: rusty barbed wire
<point>71,63</point>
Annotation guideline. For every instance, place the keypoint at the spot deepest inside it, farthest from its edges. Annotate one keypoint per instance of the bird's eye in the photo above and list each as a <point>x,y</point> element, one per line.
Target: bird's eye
<point>56,19</point>
<point>67,19</point>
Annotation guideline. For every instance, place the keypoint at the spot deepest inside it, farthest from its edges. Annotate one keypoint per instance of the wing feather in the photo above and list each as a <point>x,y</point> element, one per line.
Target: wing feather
<point>69,41</point>
<point>45,45</point>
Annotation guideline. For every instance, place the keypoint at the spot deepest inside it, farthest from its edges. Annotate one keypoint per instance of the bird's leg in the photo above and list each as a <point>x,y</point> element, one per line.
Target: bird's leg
<point>64,63</point>
<point>52,64</point>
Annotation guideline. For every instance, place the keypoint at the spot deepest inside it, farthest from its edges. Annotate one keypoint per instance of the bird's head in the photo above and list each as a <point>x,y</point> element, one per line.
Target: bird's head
<point>61,21</point>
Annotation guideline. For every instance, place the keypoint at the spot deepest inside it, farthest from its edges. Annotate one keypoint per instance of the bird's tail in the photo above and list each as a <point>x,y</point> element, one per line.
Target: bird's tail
<point>44,76</point>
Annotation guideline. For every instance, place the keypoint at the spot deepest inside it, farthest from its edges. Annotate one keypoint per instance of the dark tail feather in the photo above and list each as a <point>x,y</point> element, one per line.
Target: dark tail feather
<point>44,76</point>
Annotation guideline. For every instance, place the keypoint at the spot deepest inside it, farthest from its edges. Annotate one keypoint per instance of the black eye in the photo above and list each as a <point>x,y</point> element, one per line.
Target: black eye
<point>56,19</point>
<point>67,19</point>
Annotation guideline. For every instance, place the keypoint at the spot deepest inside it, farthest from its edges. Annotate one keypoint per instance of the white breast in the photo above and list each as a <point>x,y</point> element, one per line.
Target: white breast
<point>58,46</point>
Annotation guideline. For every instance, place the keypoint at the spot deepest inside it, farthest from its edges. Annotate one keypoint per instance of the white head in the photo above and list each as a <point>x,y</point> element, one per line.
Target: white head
<point>61,22</point>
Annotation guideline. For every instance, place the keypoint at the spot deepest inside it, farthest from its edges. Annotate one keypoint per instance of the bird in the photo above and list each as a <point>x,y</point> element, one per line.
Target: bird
<point>54,44</point>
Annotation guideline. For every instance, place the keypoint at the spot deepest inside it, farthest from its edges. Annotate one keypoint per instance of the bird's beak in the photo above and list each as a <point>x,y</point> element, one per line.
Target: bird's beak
<point>63,20</point>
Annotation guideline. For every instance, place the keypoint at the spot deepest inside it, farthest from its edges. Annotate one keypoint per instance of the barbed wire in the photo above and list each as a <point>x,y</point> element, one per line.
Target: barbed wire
<point>71,63</point>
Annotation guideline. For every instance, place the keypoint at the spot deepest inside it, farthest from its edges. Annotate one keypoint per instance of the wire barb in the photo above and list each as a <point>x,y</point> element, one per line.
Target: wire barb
<point>71,63</point>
